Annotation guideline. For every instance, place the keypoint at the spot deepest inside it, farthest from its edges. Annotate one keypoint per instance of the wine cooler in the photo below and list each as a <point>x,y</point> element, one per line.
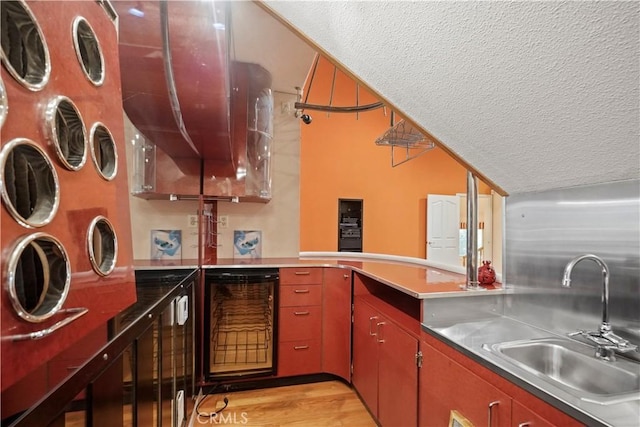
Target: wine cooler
<point>240,323</point>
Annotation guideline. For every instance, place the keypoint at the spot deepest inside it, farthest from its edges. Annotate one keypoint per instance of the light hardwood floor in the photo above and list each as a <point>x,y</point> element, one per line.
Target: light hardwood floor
<point>330,403</point>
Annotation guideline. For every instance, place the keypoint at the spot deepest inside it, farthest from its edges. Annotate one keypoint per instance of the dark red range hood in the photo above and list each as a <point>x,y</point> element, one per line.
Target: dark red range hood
<point>176,84</point>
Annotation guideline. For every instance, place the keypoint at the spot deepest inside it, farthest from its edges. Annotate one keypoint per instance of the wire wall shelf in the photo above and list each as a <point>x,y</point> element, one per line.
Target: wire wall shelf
<point>405,139</point>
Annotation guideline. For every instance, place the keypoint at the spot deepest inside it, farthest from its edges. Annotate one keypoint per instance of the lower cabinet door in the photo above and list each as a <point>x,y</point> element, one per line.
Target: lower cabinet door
<point>336,322</point>
<point>299,357</point>
<point>397,376</point>
<point>446,386</point>
<point>365,354</point>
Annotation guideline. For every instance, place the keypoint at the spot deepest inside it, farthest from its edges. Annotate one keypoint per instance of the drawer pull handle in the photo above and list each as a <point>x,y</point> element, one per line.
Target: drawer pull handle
<point>524,424</point>
<point>302,273</point>
<point>301,291</point>
<point>301,347</point>
<point>301,313</point>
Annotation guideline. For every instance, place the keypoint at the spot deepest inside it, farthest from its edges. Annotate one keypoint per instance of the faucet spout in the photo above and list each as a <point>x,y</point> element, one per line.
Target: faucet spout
<point>607,343</point>
<point>566,282</point>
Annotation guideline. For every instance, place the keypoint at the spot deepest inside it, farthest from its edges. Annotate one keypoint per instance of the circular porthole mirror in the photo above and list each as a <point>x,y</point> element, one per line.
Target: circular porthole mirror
<point>38,276</point>
<point>67,132</point>
<point>4,103</point>
<point>103,246</point>
<point>103,151</point>
<point>28,183</point>
<point>24,50</point>
<point>88,51</point>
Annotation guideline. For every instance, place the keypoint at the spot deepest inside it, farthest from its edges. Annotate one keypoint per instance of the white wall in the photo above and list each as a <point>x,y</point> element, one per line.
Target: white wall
<point>279,219</point>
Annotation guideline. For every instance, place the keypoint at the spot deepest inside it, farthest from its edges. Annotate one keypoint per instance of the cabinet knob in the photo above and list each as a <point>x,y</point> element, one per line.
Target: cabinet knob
<point>346,276</point>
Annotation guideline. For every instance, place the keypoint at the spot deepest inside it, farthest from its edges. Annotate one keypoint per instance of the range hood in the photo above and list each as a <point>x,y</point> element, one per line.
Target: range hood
<point>176,84</point>
<point>205,121</point>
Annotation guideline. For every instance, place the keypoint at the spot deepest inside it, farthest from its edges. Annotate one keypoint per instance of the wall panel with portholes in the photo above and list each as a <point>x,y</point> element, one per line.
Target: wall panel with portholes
<point>67,264</point>
<point>4,103</point>
<point>66,132</point>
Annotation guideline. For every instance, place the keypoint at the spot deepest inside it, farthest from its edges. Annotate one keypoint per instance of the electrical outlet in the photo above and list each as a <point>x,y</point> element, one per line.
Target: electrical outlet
<point>223,221</point>
<point>193,221</point>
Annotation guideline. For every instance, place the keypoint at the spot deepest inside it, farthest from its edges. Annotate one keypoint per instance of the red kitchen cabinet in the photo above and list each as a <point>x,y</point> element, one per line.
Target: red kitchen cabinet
<point>365,354</point>
<point>336,322</point>
<point>446,386</point>
<point>450,380</point>
<point>385,372</point>
<point>300,321</point>
<point>397,375</point>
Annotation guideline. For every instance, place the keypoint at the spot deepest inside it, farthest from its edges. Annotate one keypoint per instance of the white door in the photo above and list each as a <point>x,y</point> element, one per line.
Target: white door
<point>443,228</point>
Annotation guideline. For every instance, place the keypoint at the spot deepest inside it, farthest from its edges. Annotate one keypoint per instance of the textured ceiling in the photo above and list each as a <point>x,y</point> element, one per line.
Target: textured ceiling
<point>534,95</point>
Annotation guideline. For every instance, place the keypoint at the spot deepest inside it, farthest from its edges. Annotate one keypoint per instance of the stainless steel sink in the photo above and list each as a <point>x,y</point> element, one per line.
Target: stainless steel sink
<point>571,366</point>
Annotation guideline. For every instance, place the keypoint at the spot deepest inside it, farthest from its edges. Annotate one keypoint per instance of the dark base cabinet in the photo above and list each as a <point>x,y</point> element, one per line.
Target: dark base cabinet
<point>143,375</point>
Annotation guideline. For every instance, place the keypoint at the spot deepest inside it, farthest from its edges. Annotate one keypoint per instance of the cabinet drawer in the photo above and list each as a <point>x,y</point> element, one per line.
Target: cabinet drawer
<point>300,323</point>
<point>300,295</point>
<point>299,357</point>
<point>301,276</point>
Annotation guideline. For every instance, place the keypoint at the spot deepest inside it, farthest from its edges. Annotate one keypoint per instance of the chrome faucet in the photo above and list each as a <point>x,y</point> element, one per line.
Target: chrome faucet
<point>607,343</point>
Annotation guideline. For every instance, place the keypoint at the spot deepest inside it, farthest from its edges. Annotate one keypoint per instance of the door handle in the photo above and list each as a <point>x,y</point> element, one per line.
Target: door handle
<point>379,330</point>
<point>491,405</point>
<point>371,333</point>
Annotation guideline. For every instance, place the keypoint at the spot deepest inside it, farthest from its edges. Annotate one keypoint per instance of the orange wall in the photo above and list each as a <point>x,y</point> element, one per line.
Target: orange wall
<point>339,159</point>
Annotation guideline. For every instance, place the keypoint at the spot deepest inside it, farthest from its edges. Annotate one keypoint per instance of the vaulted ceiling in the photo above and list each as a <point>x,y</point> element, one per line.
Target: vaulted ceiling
<point>534,95</point>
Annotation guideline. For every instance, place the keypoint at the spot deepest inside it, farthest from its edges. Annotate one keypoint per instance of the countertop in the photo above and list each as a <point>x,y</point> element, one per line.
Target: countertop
<point>418,281</point>
<point>474,339</point>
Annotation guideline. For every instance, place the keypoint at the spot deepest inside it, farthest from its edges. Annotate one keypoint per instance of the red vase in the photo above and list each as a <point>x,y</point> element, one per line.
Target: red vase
<point>486,274</point>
